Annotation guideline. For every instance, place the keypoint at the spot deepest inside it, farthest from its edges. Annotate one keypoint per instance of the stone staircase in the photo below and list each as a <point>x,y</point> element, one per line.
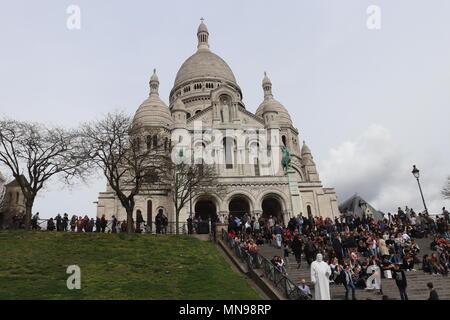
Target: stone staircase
<point>417,281</point>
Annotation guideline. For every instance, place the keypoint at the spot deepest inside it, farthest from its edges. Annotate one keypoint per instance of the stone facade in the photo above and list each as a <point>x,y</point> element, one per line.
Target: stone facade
<point>206,95</point>
<point>14,202</point>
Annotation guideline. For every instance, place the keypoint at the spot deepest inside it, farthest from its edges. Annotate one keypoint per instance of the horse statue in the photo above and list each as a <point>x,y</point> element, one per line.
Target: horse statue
<point>286,159</point>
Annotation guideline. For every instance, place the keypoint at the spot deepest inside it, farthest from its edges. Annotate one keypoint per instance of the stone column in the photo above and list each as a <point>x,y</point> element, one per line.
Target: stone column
<point>257,213</point>
<point>222,215</point>
<point>296,199</point>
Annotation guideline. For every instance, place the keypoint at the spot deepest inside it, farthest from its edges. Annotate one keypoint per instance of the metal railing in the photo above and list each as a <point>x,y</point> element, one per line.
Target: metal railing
<point>271,272</point>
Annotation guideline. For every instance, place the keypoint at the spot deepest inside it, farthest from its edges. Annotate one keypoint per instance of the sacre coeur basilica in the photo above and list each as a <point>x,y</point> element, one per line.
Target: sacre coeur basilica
<point>248,150</point>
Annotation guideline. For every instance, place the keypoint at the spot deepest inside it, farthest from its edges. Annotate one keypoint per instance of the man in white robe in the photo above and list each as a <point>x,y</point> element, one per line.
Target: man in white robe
<point>320,278</point>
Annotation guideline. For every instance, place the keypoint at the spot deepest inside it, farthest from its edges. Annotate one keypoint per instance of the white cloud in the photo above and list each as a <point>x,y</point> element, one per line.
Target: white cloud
<point>376,167</point>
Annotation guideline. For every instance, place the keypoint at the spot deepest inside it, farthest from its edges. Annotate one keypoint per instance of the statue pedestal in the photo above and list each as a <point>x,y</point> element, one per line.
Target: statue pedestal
<point>296,199</point>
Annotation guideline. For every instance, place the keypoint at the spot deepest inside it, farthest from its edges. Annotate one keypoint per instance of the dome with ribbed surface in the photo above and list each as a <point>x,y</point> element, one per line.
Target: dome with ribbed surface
<point>204,64</point>
<point>271,105</point>
<point>153,111</point>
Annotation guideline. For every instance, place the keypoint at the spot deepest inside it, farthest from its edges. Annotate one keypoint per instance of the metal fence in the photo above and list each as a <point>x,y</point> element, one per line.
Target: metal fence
<point>152,228</point>
<point>257,261</point>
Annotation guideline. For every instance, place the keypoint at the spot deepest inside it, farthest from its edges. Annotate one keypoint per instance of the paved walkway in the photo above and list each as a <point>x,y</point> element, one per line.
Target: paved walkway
<point>417,281</point>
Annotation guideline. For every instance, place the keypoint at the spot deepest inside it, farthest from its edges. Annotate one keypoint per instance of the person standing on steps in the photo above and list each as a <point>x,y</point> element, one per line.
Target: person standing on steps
<point>348,281</point>
<point>286,251</point>
<point>433,293</point>
<point>277,231</point>
<point>297,249</point>
<point>400,280</point>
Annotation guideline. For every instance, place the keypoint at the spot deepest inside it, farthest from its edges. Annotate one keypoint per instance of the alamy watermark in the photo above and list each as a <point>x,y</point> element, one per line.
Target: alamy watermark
<point>74,19</point>
<point>374,17</point>
<point>228,147</point>
<point>74,280</point>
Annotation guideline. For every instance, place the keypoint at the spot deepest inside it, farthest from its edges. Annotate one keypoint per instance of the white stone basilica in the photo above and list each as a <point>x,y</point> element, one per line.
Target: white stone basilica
<point>206,93</point>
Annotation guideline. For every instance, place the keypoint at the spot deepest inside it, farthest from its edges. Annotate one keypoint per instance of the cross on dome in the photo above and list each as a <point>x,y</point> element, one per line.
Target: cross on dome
<point>202,35</point>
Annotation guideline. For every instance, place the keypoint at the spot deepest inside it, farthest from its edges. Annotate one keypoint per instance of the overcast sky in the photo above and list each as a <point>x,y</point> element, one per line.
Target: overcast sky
<point>369,103</point>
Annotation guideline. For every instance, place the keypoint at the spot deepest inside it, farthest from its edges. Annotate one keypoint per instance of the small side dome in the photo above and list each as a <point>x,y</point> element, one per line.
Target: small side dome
<point>270,104</point>
<point>179,106</point>
<point>305,150</point>
<point>153,111</point>
<point>275,106</point>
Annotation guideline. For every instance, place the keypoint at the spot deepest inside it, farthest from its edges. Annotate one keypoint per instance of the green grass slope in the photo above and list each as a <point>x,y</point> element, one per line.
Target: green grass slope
<point>33,266</point>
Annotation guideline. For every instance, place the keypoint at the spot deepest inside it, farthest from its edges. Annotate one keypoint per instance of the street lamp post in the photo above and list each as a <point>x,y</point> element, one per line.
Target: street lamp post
<point>416,174</point>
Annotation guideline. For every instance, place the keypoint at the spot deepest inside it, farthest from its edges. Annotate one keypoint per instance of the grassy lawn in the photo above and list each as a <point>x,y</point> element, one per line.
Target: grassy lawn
<point>115,266</point>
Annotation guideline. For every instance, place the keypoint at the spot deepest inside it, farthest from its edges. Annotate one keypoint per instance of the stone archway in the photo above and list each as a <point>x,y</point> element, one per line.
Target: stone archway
<point>205,209</point>
<point>272,206</point>
<point>238,206</point>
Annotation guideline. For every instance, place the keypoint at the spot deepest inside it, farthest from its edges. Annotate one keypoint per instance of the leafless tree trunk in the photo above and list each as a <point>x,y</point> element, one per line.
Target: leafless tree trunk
<point>446,189</point>
<point>191,180</point>
<point>118,148</point>
<point>2,191</point>
<point>34,153</point>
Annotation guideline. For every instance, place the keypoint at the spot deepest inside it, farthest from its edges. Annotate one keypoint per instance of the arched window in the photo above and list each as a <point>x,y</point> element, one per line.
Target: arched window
<point>188,115</point>
<point>155,142</point>
<point>254,154</point>
<point>256,165</point>
<point>137,144</point>
<point>228,148</point>
<point>166,143</point>
<point>149,142</point>
<point>308,209</point>
<point>283,138</point>
<point>198,111</point>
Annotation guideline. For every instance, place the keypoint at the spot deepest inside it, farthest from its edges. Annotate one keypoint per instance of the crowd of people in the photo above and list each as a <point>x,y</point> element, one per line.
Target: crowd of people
<point>350,244</point>
<point>85,224</point>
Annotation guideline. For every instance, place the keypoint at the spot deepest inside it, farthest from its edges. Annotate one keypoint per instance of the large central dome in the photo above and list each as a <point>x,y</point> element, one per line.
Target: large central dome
<point>201,73</point>
<point>204,64</point>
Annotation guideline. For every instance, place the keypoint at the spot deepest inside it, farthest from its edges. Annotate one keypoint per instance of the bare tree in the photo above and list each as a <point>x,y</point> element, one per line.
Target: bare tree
<point>190,181</point>
<point>446,189</point>
<point>2,191</point>
<point>130,163</point>
<point>35,153</point>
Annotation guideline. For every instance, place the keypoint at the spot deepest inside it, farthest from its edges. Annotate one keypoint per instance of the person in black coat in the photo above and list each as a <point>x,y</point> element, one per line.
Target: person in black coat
<point>310,251</point>
<point>400,280</point>
<point>65,222</point>
<point>97,224</point>
<point>191,226</point>
<point>58,219</point>
<point>338,249</point>
<point>50,225</point>
<point>433,293</point>
<point>114,225</point>
<point>103,223</point>
<point>297,248</point>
